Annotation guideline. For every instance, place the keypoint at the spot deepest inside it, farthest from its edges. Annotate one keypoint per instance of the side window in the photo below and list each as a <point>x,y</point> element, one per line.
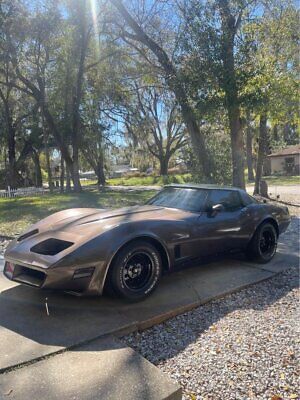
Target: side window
<point>230,199</point>
<point>186,199</point>
<point>246,199</point>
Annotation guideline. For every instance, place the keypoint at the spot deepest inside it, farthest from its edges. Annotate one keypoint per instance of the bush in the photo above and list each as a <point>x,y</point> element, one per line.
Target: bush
<point>150,180</point>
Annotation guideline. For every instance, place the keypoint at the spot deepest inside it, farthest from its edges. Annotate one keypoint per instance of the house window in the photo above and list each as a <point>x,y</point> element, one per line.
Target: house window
<point>289,164</point>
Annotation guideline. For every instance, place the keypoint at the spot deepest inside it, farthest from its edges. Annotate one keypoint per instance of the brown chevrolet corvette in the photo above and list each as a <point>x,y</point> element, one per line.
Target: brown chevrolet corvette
<point>83,249</point>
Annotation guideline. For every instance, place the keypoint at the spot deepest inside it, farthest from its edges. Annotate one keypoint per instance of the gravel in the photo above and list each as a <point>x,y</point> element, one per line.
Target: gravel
<point>3,245</point>
<point>291,198</point>
<point>243,346</point>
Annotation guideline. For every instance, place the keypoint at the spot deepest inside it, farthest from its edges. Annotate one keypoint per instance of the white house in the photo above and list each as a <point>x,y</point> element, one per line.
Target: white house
<point>286,161</point>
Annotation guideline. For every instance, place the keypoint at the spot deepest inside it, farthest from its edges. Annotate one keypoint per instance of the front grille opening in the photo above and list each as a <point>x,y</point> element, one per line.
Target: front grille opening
<point>27,235</point>
<point>50,247</point>
<point>28,275</point>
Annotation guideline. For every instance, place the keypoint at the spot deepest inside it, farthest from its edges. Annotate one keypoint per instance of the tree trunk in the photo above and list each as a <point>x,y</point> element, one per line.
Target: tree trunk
<point>249,151</point>
<point>203,158</point>
<point>48,164</point>
<point>100,175</point>
<point>12,172</point>
<point>267,161</point>
<point>164,163</point>
<point>275,133</point>
<point>83,39</point>
<point>11,144</point>
<point>73,167</point>
<point>68,180</point>
<point>62,174</point>
<point>38,171</point>
<point>286,133</point>
<point>237,148</point>
<point>229,84</point>
<point>100,170</point>
<point>262,140</point>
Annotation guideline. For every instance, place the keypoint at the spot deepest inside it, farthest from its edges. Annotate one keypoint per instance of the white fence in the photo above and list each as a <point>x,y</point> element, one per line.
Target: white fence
<point>22,192</point>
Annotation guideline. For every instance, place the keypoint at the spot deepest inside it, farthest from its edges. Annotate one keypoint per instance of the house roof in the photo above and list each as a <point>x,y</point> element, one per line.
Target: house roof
<point>288,151</point>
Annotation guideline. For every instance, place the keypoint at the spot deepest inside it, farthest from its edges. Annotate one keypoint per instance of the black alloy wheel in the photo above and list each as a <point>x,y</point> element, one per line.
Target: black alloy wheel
<point>263,245</point>
<point>136,270</point>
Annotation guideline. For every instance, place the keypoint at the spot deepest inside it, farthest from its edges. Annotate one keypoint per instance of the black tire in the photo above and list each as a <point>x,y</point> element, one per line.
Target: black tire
<point>263,245</point>
<point>136,270</point>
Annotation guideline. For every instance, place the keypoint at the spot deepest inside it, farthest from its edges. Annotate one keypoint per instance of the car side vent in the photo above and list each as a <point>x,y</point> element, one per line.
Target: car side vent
<point>27,235</point>
<point>177,252</point>
<point>50,247</point>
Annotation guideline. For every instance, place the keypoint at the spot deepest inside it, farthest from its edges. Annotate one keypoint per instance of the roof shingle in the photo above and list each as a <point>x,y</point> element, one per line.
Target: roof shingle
<point>288,151</point>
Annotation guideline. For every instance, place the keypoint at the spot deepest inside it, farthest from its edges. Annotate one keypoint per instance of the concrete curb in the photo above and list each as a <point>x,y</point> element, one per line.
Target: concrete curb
<point>102,369</point>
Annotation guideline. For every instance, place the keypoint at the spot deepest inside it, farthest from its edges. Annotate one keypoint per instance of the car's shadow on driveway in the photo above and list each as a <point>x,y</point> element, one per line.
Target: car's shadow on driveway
<point>34,323</point>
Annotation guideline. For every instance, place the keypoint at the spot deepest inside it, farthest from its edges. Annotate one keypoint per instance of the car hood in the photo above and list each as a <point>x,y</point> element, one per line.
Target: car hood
<point>78,226</point>
<point>82,220</point>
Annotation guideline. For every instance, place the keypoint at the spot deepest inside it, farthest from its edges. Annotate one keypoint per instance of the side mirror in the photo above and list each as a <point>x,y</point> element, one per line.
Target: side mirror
<point>213,210</point>
<point>217,208</point>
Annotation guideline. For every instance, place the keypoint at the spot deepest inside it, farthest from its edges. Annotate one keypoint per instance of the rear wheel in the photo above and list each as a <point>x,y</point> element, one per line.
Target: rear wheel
<point>136,270</point>
<point>263,245</point>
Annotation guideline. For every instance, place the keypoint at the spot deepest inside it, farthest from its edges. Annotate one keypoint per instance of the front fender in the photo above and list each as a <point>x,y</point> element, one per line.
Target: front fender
<point>101,250</point>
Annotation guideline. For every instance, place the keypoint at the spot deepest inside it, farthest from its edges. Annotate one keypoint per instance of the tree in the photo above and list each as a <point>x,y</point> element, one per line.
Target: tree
<point>216,66</point>
<point>15,112</point>
<point>42,35</point>
<point>101,109</point>
<point>154,121</point>
<point>172,76</point>
<point>94,143</point>
<point>205,73</point>
<point>249,147</point>
<point>273,87</point>
<point>230,23</point>
<point>16,108</point>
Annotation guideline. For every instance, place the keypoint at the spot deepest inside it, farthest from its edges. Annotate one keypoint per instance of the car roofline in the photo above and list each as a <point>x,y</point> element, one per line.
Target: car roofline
<point>203,186</point>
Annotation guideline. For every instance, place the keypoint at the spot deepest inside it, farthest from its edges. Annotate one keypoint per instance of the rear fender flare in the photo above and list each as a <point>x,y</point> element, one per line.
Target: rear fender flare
<point>268,219</point>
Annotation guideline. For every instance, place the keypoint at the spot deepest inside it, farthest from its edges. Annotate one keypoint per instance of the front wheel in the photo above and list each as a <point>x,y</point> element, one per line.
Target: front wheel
<point>136,270</point>
<point>263,245</point>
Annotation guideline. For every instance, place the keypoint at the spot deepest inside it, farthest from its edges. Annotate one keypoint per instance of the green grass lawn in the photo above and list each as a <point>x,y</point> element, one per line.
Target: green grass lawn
<point>16,214</point>
<point>144,180</point>
<point>184,178</point>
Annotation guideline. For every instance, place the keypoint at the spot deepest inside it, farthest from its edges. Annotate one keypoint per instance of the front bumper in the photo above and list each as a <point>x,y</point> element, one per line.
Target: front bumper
<point>77,279</point>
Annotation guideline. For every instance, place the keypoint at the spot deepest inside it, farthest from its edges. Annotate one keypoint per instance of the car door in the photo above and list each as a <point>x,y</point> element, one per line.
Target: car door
<point>225,229</point>
<point>185,237</point>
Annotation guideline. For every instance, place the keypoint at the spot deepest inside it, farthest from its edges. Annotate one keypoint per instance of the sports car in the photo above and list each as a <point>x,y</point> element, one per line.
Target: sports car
<point>85,250</point>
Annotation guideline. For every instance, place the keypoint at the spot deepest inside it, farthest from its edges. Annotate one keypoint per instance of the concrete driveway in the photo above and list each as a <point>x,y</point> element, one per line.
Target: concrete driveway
<point>28,333</point>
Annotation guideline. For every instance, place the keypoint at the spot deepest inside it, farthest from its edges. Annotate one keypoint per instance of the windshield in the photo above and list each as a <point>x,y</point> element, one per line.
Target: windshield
<point>182,198</point>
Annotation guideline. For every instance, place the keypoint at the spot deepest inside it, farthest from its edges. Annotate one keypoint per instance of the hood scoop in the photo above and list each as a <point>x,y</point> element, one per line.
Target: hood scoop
<point>27,235</point>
